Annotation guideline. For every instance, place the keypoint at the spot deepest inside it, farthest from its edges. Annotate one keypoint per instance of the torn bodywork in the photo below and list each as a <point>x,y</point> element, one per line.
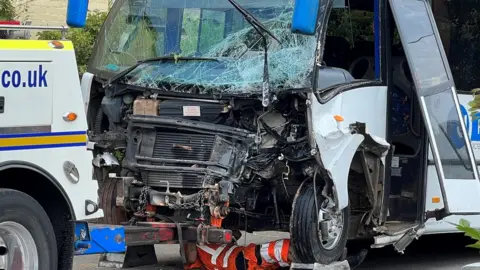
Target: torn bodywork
<point>218,161</point>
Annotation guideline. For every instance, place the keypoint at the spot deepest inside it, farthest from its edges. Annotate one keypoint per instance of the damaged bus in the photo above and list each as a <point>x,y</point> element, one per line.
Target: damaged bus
<point>262,115</point>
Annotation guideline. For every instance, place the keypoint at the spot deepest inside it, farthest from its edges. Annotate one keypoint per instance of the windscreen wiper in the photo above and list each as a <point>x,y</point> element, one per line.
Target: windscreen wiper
<point>121,74</point>
<point>261,30</point>
<point>252,20</point>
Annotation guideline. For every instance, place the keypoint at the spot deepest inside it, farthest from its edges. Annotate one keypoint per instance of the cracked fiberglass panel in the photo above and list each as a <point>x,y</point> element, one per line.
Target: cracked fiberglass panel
<point>209,29</point>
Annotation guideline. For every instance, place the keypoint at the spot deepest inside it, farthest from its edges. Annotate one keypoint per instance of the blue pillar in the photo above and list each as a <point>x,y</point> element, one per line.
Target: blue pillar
<point>377,36</point>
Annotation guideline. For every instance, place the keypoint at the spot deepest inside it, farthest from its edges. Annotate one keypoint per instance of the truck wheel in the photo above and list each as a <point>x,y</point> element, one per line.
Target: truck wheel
<point>27,238</point>
<point>306,235</point>
<point>113,214</point>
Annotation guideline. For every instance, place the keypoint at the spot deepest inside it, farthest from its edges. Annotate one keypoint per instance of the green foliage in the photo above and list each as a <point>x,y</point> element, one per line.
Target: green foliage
<point>147,42</point>
<point>142,45</point>
<point>461,27</point>
<point>353,25</point>
<point>474,105</point>
<point>464,226</point>
<point>83,39</point>
<point>7,10</point>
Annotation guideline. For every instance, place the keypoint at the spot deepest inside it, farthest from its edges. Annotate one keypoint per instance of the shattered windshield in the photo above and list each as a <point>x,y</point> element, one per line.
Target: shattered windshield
<point>140,29</point>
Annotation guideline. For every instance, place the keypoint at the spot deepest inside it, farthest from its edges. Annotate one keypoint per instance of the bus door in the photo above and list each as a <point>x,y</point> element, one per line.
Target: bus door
<point>449,141</point>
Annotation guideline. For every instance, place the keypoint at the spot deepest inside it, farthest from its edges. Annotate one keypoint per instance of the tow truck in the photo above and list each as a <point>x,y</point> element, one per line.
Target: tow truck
<point>45,168</point>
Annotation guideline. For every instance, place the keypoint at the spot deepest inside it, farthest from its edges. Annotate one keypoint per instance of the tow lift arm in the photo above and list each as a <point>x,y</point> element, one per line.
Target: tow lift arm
<point>132,246</point>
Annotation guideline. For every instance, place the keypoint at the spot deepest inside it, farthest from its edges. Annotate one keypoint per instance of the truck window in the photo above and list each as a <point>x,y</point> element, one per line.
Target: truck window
<point>350,42</point>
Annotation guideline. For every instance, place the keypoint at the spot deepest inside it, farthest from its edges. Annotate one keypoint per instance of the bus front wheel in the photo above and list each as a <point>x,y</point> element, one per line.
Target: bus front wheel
<point>317,236</point>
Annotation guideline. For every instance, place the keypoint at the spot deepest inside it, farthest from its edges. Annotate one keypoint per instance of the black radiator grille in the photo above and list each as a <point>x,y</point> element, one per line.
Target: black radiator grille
<point>179,146</point>
<point>175,179</point>
<point>183,146</point>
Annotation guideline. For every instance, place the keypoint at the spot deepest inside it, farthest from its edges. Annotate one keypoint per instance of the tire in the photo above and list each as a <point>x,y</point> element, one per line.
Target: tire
<point>113,214</point>
<point>19,210</point>
<point>304,233</point>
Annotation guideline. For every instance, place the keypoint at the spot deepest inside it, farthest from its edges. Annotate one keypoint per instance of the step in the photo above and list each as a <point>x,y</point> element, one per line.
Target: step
<point>341,265</point>
<point>472,266</point>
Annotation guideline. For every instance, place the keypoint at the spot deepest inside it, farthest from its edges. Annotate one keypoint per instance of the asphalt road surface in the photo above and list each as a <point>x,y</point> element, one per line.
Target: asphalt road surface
<point>430,252</point>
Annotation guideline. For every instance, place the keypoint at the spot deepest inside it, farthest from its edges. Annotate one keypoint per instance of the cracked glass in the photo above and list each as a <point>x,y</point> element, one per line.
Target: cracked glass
<point>429,69</point>
<point>140,29</point>
<point>433,83</point>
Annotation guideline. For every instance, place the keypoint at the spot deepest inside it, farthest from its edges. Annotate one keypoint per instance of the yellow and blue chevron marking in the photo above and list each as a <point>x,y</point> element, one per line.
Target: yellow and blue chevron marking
<point>11,142</point>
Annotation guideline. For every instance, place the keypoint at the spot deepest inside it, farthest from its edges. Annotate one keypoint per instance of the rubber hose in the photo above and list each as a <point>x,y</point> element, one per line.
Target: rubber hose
<point>97,125</point>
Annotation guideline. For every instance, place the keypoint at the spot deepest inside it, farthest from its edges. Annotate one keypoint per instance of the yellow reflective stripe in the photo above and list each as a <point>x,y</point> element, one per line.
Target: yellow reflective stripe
<point>18,44</point>
<point>61,139</point>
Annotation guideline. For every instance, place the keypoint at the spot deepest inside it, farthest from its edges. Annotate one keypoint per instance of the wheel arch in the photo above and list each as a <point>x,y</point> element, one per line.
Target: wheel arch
<point>337,167</point>
<point>47,191</point>
<point>4,166</point>
<point>340,164</point>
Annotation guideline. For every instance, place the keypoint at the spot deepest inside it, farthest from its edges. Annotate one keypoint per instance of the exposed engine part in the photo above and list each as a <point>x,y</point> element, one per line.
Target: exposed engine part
<point>277,122</point>
<point>219,211</point>
<point>181,156</point>
<point>194,110</point>
<point>213,157</point>
<point>105,159</point>
<point>128,99</point>
<point>112,108</point>
<point>144,106</point>
<point>215,196</point>
<point>174,200</point>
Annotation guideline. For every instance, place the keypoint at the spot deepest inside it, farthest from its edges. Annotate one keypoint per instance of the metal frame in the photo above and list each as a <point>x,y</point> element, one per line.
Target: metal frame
<point>62,29</point>
<point>377,38</point>
<point>132,246</point>
<point>99,238</point>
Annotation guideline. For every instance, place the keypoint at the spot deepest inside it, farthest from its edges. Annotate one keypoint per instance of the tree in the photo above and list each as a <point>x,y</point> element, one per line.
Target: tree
<point>83,39</point>
<point>7,10</point>
<point>464,18</point>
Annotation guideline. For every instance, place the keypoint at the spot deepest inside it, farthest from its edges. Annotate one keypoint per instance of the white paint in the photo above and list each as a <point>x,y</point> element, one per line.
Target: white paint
<point>472,266</point>
<point>336,144</point>
<point>86,85</point>
<point>46,106</point>
<point>465,191</point>
<point>27,106</point>
<point>372,110</point>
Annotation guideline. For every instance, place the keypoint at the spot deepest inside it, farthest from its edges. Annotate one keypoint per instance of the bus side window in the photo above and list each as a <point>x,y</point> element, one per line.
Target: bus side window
<point>459,27</point>
<point>350,42</point>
